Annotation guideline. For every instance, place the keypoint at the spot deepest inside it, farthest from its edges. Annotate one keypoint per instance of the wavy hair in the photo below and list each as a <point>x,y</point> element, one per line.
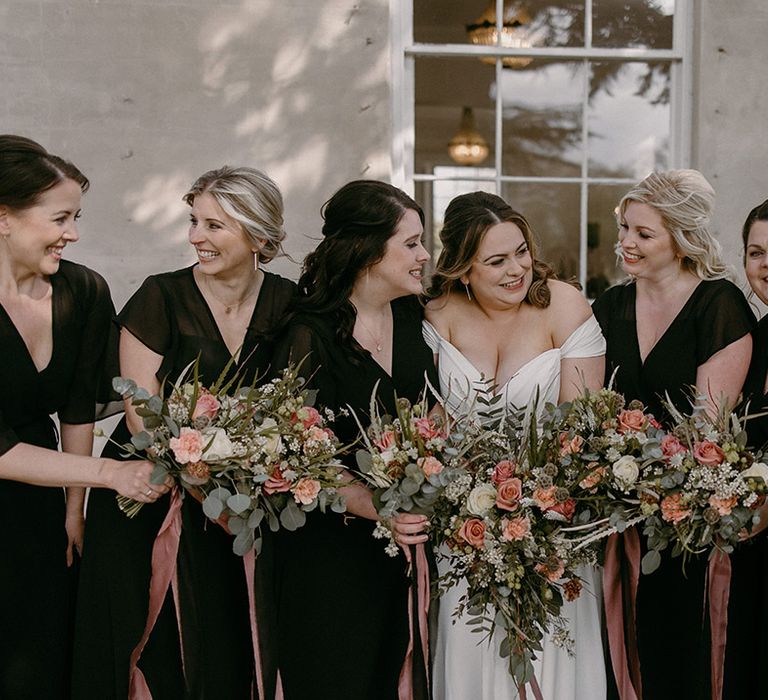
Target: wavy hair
<point>27,170</point>
<point>359,219</point>
<point>467,220</point>
<point>685,200</point>
<point>252,199</point>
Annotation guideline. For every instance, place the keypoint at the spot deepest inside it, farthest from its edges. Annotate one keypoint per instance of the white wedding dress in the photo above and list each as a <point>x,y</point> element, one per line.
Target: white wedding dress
<point>465,666</point>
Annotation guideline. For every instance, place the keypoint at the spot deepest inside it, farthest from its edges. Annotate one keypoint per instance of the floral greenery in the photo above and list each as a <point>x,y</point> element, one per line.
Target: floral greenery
<point>705,491</point>
<point>251,453</point>
<point>408,460</point>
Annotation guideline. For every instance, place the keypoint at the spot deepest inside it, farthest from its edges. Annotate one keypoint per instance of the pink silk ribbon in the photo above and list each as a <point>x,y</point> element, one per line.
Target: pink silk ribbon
<point>534,687</point>
<point>405,686</point>
<point>164,552</point>
<point>719,584</point>
<point>623,648</point>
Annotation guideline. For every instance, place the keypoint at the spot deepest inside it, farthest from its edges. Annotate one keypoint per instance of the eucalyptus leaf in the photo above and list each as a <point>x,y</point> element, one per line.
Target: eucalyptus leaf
<point>236,525</point>
<point>409,487</point>
<point>292,517</point>
<point>364,461</point>
<point>243,543</point>
<point>213,507</point>
<point>141,395</point>
<point>142,440</point>
<point>339,504</point>
<point>273,522</point>
<point>255,518</point>
<point>124,387</point>
<point>651,561</point>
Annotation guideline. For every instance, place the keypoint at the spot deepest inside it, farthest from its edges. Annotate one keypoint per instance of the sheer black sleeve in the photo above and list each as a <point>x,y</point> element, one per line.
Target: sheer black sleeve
<point>147,316</point>
<point>724,317</point>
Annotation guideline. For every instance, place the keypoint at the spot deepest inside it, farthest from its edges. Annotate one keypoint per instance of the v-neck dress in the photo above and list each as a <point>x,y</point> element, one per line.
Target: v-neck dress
<point>35,585</point>
<point>170,316</point>
<point>672,628</point>
<point>341,601</point>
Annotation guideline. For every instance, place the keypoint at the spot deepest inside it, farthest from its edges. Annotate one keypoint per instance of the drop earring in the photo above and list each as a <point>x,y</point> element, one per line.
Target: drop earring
<point>469,296</point>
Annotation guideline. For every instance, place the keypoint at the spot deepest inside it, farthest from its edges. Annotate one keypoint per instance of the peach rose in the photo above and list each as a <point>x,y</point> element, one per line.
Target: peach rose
<point>571,446</point>
<point>551,570</point>
<point>188,447</point>
<point>206,405</point>
<point>502,471</point>
<point>430,465</point>
<point>631,420</point>
<point>566,509</point>
<point>426,428</point>
<point>515,529</point>
<point>592,479</point>
<point>307,416</point>
<point>305,490</point>
<point>276,483</point>
<point>671,509</point>
<point>708,453</point>
<point>724,506</point>
<point>386,440</point>
<point>473,532</point>
<point>508,494</point>
<point>545,498</point>
<point>671,446</point>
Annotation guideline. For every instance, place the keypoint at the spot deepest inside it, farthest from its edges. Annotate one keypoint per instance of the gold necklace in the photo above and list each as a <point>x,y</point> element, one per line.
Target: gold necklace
<point>377,339</point>
<point>229,308</point>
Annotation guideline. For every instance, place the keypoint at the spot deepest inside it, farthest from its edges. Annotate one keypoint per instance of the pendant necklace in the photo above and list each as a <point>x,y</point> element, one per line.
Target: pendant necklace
<point>229,308</point>
<point>379,341</point>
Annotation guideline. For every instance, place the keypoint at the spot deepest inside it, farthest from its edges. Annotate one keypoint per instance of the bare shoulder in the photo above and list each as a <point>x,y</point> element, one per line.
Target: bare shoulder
<point>568,308</point>
<point>443,311</point>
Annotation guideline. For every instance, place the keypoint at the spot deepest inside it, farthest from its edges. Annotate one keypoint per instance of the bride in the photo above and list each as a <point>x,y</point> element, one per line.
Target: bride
<point>497,317</point>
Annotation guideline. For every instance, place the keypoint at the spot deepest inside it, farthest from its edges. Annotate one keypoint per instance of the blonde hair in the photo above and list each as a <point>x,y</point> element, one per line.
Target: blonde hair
<point>252,199</point>
<point>685,201</point>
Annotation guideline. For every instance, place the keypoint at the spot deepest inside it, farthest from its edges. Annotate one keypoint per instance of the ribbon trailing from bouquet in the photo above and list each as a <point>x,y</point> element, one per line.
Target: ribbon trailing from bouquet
<point>718,586</point>
<point>164,553</point>
<point>421,575</point>
<point>534,688</point>
<point>620,609</point>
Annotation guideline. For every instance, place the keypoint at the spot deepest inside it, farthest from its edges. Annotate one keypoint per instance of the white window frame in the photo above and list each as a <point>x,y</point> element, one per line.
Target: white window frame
<point>405,51</point>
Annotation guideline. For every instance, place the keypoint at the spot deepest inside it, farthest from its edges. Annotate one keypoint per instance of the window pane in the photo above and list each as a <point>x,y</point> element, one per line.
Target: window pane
<point>444,86</point>
<point>552,212</point>
<point>629,119</point>
<point>632,23</point>
<point>440,22</point>
<point>542,119</point>
<point>602,270</point>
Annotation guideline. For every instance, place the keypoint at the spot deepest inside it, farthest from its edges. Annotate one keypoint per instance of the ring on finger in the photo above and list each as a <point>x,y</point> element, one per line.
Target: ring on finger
<point>148,492</point>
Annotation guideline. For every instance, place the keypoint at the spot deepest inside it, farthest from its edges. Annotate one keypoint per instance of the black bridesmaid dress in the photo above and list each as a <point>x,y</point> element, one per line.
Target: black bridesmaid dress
<point>36,587</point>
<point>341,601</point>
<point>170,316</point>
<point>672,625</point>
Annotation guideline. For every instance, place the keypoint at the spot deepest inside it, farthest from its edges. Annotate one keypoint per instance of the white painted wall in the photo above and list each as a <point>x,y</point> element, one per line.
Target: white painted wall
<point>145,95</point>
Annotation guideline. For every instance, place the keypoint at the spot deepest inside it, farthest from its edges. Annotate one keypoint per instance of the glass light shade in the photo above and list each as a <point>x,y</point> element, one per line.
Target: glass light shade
<point>514,31</point>
<point>468,147</point>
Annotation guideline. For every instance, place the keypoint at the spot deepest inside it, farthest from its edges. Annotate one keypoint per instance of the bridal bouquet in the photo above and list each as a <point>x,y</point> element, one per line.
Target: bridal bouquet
<point>408,459</point>
<point>492,520</point>
<point>704,491</point>
<point>589,457</point>
<point>250,453</point>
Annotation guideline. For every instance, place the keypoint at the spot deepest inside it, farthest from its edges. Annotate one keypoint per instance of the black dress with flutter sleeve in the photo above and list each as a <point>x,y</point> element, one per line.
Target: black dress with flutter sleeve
<point>169,315</point>
<point>36,588</point>
<point>341,601</point>
<point>672,625</point>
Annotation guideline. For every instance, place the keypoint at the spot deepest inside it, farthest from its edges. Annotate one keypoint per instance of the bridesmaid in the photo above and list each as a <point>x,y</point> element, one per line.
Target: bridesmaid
<point>55,317</point>
<point>747,648</point>
<point>220,309</point>
<point>677,323</point>
<point>342,603</point>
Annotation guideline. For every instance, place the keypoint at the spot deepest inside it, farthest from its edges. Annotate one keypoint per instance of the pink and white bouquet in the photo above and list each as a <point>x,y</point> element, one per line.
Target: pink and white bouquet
<point>251,454</point>
<point>408,460</point>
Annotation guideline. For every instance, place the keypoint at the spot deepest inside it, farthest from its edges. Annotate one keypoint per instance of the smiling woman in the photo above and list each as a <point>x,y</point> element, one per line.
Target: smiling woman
<point>55,319</point>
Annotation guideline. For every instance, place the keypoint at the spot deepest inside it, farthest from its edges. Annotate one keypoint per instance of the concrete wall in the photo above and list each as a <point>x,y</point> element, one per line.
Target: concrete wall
<point>145,95</point>
<point>730,135</point>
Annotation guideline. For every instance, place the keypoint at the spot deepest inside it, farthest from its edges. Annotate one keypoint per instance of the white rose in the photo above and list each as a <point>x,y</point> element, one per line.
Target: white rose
<point>626,471</point>
<point>217,445</point>
<point>481,499</point>
<point>758,470</point>
<point>272,444</point>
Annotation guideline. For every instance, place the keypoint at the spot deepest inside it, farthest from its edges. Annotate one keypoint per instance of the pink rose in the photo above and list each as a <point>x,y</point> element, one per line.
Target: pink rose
<point>206,405</point>
<point>671,509</point>
<point>654,422</point>
<point>502,471</point>
<point>671,446</point>
<point>307,416</point>
<point>545,498</point>
<point>473,532</point>
<point>508,494</point>
<point>552,571</point>
<point>724,506</point>
<point>426,429</point>
<point>188,447</point>
<point>708,453</point>
<point>386,440</point>
<point>316,434</point>
<point>566,509</point>
<point>276,483</point>
<point>305,490</point>
<point>430,465</point>
<point>515,529</point>
<point>570,446</point>
<point>631,420</point>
